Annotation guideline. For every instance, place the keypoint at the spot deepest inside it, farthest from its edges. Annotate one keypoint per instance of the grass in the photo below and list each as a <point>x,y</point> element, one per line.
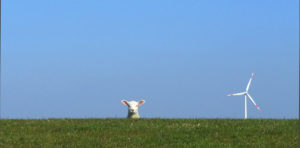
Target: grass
<point>149,133</point>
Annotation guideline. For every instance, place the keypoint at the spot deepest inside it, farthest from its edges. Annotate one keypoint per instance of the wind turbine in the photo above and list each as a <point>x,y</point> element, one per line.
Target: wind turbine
<point>246,94</point>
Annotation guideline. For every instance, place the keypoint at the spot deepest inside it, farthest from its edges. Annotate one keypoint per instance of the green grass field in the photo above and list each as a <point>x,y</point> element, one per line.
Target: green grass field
<point>149,133</point>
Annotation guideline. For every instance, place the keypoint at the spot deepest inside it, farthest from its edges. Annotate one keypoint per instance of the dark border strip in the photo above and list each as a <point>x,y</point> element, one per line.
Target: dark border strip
<point>0,60</point>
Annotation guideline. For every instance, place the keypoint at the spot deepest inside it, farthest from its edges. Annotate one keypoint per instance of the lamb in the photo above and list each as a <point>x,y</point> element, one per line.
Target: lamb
<point>133,108</point>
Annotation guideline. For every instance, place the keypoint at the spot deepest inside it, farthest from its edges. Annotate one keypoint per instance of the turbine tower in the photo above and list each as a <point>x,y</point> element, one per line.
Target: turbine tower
<point>246,94</point>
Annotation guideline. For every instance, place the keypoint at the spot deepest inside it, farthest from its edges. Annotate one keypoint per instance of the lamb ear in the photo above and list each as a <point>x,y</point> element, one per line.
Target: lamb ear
<point>124,102</point>
<point>141,102</point>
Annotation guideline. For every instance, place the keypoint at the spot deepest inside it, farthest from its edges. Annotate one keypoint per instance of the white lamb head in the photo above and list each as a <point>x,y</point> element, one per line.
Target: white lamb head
<point>133,107</point>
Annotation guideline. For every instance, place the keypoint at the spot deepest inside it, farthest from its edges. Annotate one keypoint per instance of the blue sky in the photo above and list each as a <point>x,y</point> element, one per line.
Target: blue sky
<point>78,59</point>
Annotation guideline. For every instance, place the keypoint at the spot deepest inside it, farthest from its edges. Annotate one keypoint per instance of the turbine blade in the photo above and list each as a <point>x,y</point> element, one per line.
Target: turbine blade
<point>237,94</point>
<point>249,82</point>
<point>254,102</point>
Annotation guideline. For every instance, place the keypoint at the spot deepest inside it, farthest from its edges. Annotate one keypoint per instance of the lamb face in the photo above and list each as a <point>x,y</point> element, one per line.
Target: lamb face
<point>133,108</point>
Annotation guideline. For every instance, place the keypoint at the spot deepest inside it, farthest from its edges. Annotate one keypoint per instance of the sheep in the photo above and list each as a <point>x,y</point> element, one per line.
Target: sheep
<point>133,108</point>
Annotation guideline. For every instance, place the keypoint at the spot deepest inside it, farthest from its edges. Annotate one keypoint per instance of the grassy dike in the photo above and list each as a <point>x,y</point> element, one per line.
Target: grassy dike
<point>144,133</point>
